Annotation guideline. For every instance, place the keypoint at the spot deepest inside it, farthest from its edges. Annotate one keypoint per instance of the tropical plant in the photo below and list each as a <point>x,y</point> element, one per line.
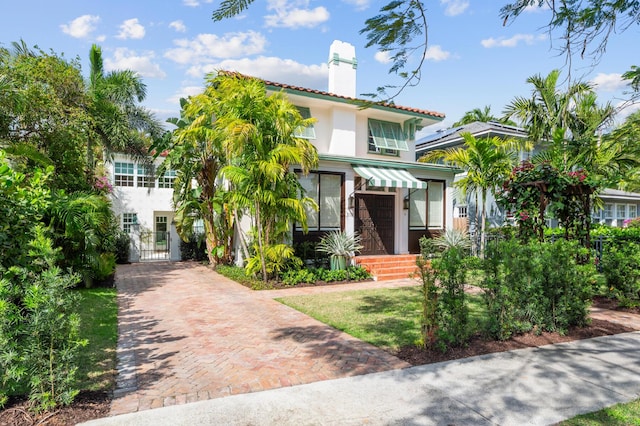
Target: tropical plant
<point>340,246</point>
<point>119,123</point>
<point>259,136</point>
<point>487,162</point>
<point>453,238</point>
<point>483,115</point>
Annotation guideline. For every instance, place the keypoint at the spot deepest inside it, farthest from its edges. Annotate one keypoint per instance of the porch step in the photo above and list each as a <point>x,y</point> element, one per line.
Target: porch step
<point>389,267</point>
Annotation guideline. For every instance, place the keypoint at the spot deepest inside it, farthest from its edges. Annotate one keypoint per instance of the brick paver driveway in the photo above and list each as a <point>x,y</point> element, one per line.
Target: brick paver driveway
<point>188,334</point>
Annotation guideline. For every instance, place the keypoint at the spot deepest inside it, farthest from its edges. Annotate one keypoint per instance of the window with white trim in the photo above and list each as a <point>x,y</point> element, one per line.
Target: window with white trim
<point>326,190</point>
<point>632,211</point>
<point>128,220</point>
<point>621,211</point>
<point>145,179</point>
<point>166,179</point>
<point>123,174</point>
<point>608,211</point>
<point>308,132</point>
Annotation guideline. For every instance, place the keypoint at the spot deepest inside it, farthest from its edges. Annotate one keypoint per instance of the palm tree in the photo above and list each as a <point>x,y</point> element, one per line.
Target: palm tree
<point>260,138</point>
<point>548,108</point>
<point>487,162</point>
<point>482,115</point>
<point>119,122</point>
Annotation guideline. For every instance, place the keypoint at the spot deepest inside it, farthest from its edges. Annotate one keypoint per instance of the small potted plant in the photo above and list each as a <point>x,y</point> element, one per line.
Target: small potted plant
<point>340,246</point>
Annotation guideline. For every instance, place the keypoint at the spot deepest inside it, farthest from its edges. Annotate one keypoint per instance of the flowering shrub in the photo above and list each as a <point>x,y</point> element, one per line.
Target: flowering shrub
<point>532,189</point>
<point>102,185</point>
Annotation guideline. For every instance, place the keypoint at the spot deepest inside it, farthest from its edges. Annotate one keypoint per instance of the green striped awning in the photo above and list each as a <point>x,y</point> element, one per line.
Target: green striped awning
<point>388,177</point>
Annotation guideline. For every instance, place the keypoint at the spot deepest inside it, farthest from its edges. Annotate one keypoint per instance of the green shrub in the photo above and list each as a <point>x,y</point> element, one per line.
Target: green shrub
<point>294,277</point>
<point>453,313</point>
<point>122,247</point>
<point>194,248</point>
<point>621,268</point>
<point>540,286</point>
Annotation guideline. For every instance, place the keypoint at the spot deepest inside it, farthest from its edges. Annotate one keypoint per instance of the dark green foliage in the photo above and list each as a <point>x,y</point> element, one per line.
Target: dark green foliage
<point>452,312</point>
<point>308,276</point>
<point>540,286</point>
<point>194,248</point>
<point>621,268</point>
<point>38,324</point>
<point>429,302</point>
<point>122,247</point>
<point>445,315</point>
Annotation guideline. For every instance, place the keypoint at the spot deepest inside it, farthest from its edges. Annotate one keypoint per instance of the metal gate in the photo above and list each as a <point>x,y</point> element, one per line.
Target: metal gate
<point>155,245</point>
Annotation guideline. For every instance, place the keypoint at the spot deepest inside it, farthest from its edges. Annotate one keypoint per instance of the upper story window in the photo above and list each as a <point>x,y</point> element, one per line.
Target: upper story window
<point>145,178</point>
<point>305,132</point>
<point>123,175</point>
<point>166,180</point>
<point>386,138</point>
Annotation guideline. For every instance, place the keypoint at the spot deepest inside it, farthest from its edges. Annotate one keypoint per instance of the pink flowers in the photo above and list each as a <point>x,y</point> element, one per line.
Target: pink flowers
<point>103,185</point>
<point>524,216</point>
<point>580,175</point>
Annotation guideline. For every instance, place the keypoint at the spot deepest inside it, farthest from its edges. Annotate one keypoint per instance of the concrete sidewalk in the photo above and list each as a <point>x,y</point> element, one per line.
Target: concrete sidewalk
<point>535,386</point>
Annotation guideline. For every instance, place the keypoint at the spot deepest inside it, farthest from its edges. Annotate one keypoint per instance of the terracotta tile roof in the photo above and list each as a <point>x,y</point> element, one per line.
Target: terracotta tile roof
<point>347,98</point>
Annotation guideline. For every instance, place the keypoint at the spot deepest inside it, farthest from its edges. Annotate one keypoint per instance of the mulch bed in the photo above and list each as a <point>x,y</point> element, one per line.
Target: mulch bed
<point>481,346</point>
<point>93,405</point>
<point>87,406</point>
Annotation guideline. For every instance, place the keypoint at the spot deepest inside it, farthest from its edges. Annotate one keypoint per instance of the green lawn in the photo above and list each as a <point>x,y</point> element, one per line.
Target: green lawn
<point>99,324</point>
<point>387,318</point>
<point>617,415</point>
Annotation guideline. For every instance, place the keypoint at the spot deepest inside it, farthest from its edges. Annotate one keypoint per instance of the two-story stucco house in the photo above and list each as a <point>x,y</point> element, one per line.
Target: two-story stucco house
<point>367,180</point>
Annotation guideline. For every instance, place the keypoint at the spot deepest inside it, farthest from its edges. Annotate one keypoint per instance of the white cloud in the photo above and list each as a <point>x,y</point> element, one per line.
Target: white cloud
<point>131,28</point>
<point>382,57</point>
<point>295,14</point>
<point>609,82</point>
<point>436,54</point>
<point>81,27</point>
<point>274,69</point>
<point>207,47</point>
<point>359,4</point>
<point>178,26</point>
<point>512,41</point>
<point>126,59</point>
<point>194,3</point>
<point>185,92</point>
<point>454,7</point>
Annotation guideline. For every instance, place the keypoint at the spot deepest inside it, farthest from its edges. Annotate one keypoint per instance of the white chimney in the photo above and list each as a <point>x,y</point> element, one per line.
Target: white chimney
<point>342,69</point>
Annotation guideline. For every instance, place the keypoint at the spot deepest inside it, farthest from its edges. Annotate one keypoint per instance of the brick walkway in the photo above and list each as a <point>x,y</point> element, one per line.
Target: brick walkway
<point>189,334</point>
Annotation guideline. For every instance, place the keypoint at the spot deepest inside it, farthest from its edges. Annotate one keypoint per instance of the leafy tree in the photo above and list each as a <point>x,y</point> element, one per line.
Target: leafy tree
<point>483,115</point>
<point>582,23</point>
<point>260,139</point>
<point>195,150</point>
<point>42,120</point>
<point>118,122</point>
<point>487,162</point>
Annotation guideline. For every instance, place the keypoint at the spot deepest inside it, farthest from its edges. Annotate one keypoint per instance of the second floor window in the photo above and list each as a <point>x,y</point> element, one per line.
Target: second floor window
<point>123,175</point>
<point>305,132</point>
<point>386,138</point>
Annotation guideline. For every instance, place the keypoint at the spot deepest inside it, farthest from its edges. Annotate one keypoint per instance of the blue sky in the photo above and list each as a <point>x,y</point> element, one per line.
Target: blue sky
<point>473,60</point>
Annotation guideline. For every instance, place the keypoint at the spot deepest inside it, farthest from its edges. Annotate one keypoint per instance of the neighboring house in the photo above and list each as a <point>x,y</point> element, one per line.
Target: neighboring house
<point>464,207</point>
<point>142,202</point>
<point>618,206</point>
<point>367,180</point>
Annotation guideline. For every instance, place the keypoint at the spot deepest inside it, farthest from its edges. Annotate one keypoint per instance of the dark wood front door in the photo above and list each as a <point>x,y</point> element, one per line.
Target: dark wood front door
<point>374,222</point>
